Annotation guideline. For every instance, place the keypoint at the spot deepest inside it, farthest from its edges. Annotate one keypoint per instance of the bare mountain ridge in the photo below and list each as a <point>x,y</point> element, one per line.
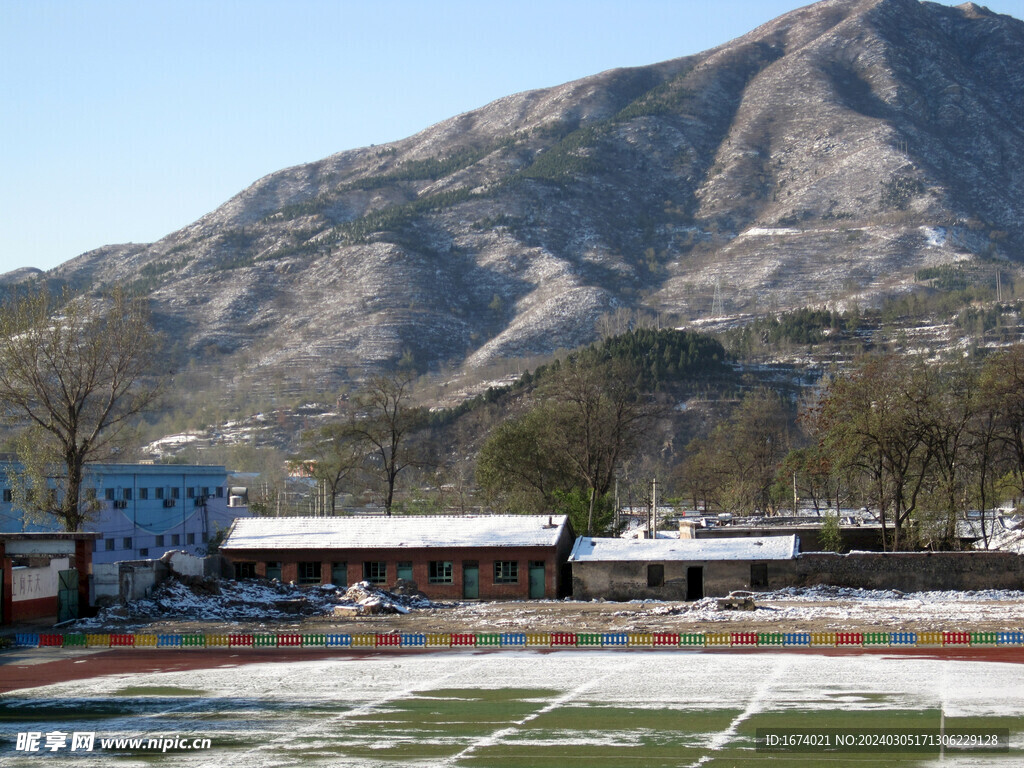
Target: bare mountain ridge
<point>824,157</point>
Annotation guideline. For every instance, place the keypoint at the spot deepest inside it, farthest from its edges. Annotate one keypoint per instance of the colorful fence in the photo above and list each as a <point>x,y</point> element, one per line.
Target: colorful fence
<point>618,640</point>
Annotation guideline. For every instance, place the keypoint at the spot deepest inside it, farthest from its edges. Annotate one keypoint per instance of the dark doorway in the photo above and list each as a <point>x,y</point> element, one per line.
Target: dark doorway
<point>759,575</point>
<point>655,575</point>
<point>695,582</point>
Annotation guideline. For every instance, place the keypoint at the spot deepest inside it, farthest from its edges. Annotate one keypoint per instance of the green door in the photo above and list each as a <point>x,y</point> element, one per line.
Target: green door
<point>404,571</point>
<point>67,595</point>
<point>471,581</point>
<point>537,579</point>
<point>339,574</point>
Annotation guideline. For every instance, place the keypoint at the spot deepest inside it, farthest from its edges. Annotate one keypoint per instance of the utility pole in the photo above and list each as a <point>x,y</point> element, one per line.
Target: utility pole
<point>616,506</point>
<point>717,310</point>
<point>654,508</point>
<point>795,500</point>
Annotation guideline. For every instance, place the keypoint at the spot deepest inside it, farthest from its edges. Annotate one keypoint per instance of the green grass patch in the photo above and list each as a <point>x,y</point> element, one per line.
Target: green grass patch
<point>853,719</point>
<point>511,755</point>
<point>456,712</point>
<point>395,750</point>
<point>601,717</point>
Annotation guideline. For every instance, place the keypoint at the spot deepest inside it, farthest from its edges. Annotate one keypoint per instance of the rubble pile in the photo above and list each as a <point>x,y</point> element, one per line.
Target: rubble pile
<point>218,599</point>
<point>363,598</point>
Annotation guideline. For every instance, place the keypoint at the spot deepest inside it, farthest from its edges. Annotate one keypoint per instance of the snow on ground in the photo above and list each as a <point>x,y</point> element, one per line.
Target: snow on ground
<point>833,608</point>
<point>946,610</point>
<point>769,232</point>
<point>936,236</point>
<point>838,607</point>
<point>216,599</point>
<point>249,600</point>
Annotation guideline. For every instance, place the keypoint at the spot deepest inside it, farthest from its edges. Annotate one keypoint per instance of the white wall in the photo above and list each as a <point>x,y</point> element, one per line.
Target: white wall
<point>37,583</point>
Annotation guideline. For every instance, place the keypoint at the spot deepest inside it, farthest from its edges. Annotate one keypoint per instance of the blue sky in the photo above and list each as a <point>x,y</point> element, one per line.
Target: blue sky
<point>124,121</point>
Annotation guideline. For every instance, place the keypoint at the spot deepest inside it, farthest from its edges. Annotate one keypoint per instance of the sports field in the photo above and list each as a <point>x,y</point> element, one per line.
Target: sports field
<point>524,708</point>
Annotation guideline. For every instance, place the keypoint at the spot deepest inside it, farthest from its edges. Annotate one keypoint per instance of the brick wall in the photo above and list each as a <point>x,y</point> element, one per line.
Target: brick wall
<point>483,557</point>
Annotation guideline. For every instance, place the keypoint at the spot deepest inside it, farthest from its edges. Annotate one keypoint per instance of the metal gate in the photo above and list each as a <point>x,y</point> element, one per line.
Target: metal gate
<point>67,595</point>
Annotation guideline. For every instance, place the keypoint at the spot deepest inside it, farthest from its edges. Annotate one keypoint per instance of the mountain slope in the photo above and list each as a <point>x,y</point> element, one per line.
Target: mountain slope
<point>825,156</point>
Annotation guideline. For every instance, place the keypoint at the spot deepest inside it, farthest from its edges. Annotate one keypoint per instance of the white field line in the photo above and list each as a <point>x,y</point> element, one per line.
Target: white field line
<point>496,737</point>
<point>245,758</point>
<point>754,706</point>
<point>943,698</point>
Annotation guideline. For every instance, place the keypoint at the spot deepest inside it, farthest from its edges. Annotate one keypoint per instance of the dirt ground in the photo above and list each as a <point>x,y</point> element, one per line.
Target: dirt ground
<point>549,616</point>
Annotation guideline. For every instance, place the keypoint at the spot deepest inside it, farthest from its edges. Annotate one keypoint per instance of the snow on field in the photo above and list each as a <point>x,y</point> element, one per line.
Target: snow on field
<point>387,710</point>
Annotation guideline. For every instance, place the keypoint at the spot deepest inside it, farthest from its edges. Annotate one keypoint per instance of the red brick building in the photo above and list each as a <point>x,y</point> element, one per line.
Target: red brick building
<point>492,557</point>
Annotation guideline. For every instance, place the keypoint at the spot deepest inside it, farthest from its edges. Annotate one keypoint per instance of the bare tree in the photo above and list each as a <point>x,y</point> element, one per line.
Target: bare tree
<point>588,417</point>
<point>383,420</point>
<point>600,417</point>
<point>74,374</point>
<point>735,467</point>
<point>331,454</point>
<point>1003,385</point>
<point>875,423</point>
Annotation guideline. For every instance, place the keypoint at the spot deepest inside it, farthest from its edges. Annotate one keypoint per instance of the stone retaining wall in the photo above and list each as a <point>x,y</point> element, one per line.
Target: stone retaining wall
<point>913,571</point>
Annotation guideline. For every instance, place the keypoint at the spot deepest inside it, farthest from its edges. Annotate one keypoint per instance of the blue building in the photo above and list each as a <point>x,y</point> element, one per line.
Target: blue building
<point>145,509</point>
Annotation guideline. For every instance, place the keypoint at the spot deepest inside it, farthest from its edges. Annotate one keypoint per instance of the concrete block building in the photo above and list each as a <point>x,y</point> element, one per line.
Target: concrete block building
<point>491,557</point>
<point>145,510</point>
<point>680,569</point>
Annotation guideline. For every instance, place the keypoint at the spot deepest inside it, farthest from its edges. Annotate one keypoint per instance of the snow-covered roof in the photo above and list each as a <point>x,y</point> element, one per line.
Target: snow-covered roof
<point>397,531</point>
<point>1005,540</point>
<point>742,548</point>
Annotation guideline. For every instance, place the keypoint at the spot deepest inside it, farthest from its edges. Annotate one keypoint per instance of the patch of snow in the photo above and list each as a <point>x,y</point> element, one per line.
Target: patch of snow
<point>247,600</point>
<point>769,232</point>
<point>935,236</point>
